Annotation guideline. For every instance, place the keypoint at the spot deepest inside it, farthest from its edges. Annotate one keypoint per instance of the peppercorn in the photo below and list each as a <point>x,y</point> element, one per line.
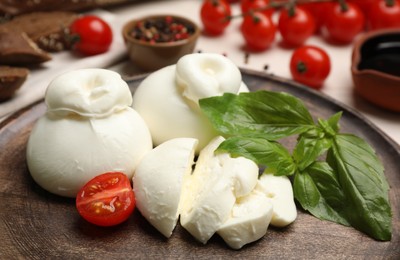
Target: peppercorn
<point>157,30</point>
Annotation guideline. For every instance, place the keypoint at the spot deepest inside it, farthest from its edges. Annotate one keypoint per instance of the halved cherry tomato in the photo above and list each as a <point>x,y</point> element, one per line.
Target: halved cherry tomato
<point>93,34</point>
<point>295,25</point>
<point>310,65</point>
<point>258,31</point>
<point>214,15</point>
<point>106,200</point>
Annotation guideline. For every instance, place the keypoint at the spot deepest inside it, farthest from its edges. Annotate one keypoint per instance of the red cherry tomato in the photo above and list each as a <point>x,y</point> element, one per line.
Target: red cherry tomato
<point>364,5</point>
<point>94,35</point>
<point>256,5</point>
<point>310,65</point>
<point>214,15</point>
<point>317,10</point>
<point>381,15</point>
<point>106,200</point>
<point>258,31</point>
<point>295,26</point>
<point>342,25</point>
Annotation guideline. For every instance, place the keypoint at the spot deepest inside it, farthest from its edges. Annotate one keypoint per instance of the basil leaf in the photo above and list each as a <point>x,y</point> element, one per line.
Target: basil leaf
<point>305,191</point>
<point>332,199</point>
<point>331,126</point>
<point>267,153</point>
<point>318,192</point>
<point>308,149</point>
<point>266,114</point>
<point>361,176</point>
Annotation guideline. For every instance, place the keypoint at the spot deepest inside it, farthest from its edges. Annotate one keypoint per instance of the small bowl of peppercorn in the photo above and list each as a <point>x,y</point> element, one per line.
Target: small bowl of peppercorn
<point>154,42</point>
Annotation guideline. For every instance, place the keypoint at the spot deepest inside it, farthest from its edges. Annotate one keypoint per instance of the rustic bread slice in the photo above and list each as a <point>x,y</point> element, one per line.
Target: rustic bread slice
<point>11,79</point>
<point>18,7</point>
<point>16,48</point>
<point>46,29</point>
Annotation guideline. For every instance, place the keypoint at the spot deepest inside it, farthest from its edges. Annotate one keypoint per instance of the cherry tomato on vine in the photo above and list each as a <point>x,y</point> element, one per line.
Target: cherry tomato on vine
<point>364,5</point>
<point>296,25</point>
<point>317,10</point>
<point>384,14</point>
<point>258,31</point>
<point>106,200</point>
<point>214,15</point>
<point>94,35</point>
<point>342,24</point>
<point>310,65</point>
<point>248,5</point>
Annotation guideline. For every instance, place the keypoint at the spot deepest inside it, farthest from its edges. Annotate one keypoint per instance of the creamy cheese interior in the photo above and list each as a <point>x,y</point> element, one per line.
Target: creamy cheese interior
<point>220,195</point>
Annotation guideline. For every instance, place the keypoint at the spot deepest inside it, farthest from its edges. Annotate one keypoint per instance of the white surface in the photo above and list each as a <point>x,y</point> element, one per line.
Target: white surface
<point>338,85</point>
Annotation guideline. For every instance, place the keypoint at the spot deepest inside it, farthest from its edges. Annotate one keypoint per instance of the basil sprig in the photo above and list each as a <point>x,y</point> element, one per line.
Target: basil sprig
<point>336,177</point>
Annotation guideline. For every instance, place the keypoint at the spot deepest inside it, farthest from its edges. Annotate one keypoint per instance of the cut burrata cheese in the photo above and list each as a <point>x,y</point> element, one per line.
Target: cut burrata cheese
<point>158,182</point>
<point>248,222</point>
<point>88,129</point>
<point>168,98</point>
<point>211,190</point>
<point>279,190</point>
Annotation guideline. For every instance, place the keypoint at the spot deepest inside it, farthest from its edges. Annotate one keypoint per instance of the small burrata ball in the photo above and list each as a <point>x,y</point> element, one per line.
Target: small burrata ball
<point>89,128</point>
<point>168,98</point>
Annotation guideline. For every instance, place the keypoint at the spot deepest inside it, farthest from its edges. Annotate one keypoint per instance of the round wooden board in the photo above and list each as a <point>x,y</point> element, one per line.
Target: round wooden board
<point>38,225</point>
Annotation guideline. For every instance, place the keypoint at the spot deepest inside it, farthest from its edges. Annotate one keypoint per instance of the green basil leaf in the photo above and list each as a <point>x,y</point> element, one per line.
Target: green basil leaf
<point>316,195</point>
<point>305,191</point>
<point>332,199</point>
<point>267,153</point>
<point>361,176</point>
<point>271,115</point>
<point>308,149</point>
<point>331,126</point>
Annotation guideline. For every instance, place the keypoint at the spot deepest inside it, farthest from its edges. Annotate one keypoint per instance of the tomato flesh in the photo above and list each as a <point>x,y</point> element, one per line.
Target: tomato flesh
<point>106,200</point>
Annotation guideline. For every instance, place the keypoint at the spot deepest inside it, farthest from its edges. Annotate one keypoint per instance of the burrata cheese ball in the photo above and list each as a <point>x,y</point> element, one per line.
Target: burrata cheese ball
<point>168,99</point>
<point>89,128</point>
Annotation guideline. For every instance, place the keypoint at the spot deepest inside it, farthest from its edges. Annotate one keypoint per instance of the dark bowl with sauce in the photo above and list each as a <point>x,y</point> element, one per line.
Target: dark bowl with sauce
<point>376,68</point>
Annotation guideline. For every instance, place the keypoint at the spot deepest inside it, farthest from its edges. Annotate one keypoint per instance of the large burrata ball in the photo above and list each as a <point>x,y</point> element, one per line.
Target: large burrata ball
<point>89,129</point>
<point>168,98</point>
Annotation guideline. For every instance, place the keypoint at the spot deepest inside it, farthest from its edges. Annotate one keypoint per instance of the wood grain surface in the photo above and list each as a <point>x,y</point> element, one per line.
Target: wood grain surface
<point>35,224</point>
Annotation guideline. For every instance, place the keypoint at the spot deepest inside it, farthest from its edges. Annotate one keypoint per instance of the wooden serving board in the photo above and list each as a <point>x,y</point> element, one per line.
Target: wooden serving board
<point>38,225</point>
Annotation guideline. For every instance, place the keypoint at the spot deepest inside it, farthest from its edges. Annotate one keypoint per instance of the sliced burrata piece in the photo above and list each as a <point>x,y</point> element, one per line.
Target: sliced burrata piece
<point>158,182</point>
<point>211,191</point>
<point>279,190</point>
<point>88,129</point>
<point>249,220</point>
<point>168,98</point>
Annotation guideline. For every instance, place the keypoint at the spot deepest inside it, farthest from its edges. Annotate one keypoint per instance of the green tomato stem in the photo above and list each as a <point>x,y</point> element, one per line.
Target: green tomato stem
<point>301,67</point>
<point>389,3</point>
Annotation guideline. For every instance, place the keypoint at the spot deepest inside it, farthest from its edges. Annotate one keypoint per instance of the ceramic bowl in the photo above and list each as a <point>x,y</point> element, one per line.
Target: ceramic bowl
<point>151,56</point>
<point>376,68</point>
